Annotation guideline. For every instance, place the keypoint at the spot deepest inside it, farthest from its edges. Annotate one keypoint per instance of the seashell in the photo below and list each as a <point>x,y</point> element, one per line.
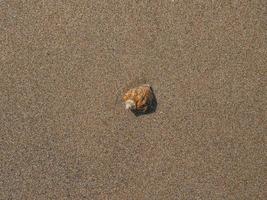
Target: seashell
<point>139,99</point>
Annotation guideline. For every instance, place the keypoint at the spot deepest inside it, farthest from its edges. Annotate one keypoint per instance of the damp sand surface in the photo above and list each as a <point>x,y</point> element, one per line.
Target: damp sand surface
<point>65,133</point>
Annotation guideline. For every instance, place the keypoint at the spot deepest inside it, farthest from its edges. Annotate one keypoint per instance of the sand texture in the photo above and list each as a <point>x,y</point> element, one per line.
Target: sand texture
<point>65,133</point>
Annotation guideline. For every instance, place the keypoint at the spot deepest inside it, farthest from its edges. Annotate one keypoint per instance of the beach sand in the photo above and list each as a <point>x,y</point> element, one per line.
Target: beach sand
<point>65,66</point>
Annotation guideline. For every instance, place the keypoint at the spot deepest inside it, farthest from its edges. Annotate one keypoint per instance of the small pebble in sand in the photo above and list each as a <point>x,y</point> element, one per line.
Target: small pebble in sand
<point>139,99</point>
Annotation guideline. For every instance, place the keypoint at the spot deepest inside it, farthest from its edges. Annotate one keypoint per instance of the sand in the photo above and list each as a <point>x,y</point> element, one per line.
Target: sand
<point>65,133</point>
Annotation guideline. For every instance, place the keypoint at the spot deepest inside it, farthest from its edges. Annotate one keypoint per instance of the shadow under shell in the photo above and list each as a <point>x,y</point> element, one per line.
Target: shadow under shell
<point>152,107</point>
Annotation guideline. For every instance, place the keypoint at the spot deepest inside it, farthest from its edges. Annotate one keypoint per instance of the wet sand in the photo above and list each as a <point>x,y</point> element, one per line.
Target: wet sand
<point>65,133</point>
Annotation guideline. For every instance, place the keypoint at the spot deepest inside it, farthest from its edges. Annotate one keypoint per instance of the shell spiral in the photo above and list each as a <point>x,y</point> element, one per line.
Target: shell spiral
<point>139,98</point>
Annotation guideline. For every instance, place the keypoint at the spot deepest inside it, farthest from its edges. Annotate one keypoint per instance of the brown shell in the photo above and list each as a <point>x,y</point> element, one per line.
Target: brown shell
<point>142,96</point>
